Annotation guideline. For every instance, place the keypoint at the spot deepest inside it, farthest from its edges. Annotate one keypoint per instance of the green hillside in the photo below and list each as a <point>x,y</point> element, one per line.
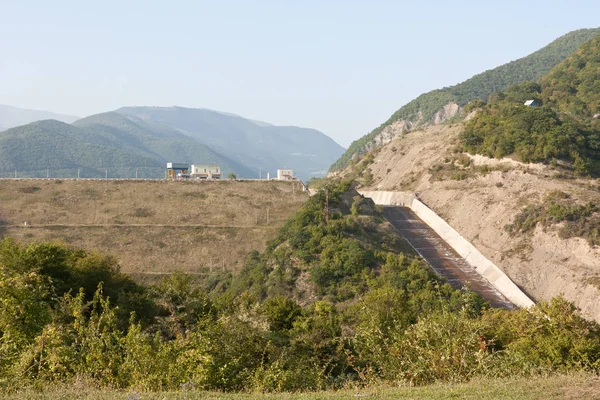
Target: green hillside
<point>337,302</point>
<point>560,129</point>
<point>529,68</point>
<point>102,144</point>
<point>62,149</point>
<point>139,141</point>
<point>258,146</point>
<point>159,142</point>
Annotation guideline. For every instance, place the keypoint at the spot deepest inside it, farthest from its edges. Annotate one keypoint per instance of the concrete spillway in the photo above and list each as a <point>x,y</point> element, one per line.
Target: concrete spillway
<point>442,258</point>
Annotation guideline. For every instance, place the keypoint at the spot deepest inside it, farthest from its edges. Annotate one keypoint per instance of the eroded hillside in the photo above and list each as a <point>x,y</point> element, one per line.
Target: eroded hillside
<point>481,197</point>
<point>153,227</point>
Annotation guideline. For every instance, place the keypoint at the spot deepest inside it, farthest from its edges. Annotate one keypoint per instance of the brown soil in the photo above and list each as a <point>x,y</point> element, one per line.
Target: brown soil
<point>479,202</point>
<point>151,226</point>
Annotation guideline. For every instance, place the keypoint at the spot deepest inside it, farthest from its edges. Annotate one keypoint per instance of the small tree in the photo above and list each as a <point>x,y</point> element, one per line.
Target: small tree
<point>232,176</point>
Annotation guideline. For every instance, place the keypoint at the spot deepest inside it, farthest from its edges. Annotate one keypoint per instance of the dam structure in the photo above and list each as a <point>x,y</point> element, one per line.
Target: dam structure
<point>448,253</point>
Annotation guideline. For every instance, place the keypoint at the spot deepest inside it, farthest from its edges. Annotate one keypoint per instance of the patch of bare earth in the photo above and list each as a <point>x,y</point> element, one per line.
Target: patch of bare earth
<point>151,227</point>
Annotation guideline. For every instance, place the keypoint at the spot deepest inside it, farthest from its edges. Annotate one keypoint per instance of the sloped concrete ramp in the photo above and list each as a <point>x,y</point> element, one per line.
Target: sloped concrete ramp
<point>442,258</point>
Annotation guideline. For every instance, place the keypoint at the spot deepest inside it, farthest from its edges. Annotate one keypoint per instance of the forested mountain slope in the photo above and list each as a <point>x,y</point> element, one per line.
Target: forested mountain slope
<point>443,104</point>
<point>99,145</point>
<point>160,142</point>
<point>268,148</point>
<point>61,149</point>
<point>515,179</point>
<point>561,128</point>
<point>139,141</point>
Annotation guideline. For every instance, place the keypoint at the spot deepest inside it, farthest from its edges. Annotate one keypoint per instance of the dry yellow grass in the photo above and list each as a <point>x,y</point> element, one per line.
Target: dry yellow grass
<point>152,227</point>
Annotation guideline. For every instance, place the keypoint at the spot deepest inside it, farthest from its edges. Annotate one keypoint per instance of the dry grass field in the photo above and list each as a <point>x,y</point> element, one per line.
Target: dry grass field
<point>569,387</point>
<point>152,227</point>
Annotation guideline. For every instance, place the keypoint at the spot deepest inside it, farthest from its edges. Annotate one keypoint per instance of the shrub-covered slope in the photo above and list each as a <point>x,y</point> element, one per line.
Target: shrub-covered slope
<point>529,68</point>
<point>331,303</point>
<point>561,127</point>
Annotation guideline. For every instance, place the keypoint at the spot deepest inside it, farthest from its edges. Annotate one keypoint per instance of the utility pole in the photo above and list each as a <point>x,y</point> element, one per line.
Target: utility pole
<point>326,210</point>
<point>106,174</point>
<point>77,173</point>
<point>47,173</point>
<point>136,173</point>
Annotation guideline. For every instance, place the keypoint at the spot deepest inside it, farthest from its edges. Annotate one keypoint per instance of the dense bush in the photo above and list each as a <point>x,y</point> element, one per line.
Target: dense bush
<point>578,220</point>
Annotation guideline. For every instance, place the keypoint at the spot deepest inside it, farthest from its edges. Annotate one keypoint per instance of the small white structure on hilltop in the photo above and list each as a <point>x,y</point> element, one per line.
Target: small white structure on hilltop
<point>205,172</point>
<point>530,103</point>
<point>285,175</point>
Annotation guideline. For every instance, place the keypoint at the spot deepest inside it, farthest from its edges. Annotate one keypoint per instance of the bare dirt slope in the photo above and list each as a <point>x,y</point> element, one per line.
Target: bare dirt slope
<point>480,196</point>
<point>152,227</point>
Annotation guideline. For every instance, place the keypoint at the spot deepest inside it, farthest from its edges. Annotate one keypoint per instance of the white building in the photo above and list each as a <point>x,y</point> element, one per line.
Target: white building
<point>285,174</point>
<point>205,172</point>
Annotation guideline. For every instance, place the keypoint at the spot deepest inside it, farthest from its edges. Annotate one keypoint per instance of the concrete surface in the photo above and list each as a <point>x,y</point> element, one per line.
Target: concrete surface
<point>484,267</point>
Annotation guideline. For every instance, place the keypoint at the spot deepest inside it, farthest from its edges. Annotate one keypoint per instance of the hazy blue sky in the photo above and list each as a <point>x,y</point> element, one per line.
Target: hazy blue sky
<point>342,67</point>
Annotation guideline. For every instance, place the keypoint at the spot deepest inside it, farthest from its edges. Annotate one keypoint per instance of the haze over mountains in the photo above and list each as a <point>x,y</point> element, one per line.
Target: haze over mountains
<point>14,116</point>
<point>140,140</point>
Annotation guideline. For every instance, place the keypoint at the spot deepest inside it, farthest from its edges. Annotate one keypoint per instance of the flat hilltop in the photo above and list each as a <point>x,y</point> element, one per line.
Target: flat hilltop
<point>152,227</point>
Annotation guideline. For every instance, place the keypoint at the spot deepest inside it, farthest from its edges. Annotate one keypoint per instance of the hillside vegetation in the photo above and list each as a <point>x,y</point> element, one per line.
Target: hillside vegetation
<point>139,141</point>
<point>530,68</point>
<point>154,227</point>
<point>101,144</point>
<point>256,145</point>
<point>331,303</point>
<point>561,128</point>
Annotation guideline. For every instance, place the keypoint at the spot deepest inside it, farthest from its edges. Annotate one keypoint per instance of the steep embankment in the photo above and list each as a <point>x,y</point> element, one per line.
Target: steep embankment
<point>444,104</point>
<point>480,197</point>
<point>153,227</point>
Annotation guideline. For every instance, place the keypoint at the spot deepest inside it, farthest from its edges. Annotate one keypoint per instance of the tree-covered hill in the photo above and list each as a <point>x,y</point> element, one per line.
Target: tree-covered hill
<point>561,128</point>
<point>55,146</point>
<point>530,68</point>
<point>144,139</point>
<point>257,145</point>
<point>160,142</point>
<point>101,144</point>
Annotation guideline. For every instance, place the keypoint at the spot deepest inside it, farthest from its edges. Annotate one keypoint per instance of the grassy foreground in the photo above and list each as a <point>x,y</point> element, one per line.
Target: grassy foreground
<point>576,386</point>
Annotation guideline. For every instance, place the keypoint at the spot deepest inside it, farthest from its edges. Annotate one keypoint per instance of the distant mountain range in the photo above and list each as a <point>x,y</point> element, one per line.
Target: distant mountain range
<point>14,116</point>
<point>444,104</point>
<point>141,140</point>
